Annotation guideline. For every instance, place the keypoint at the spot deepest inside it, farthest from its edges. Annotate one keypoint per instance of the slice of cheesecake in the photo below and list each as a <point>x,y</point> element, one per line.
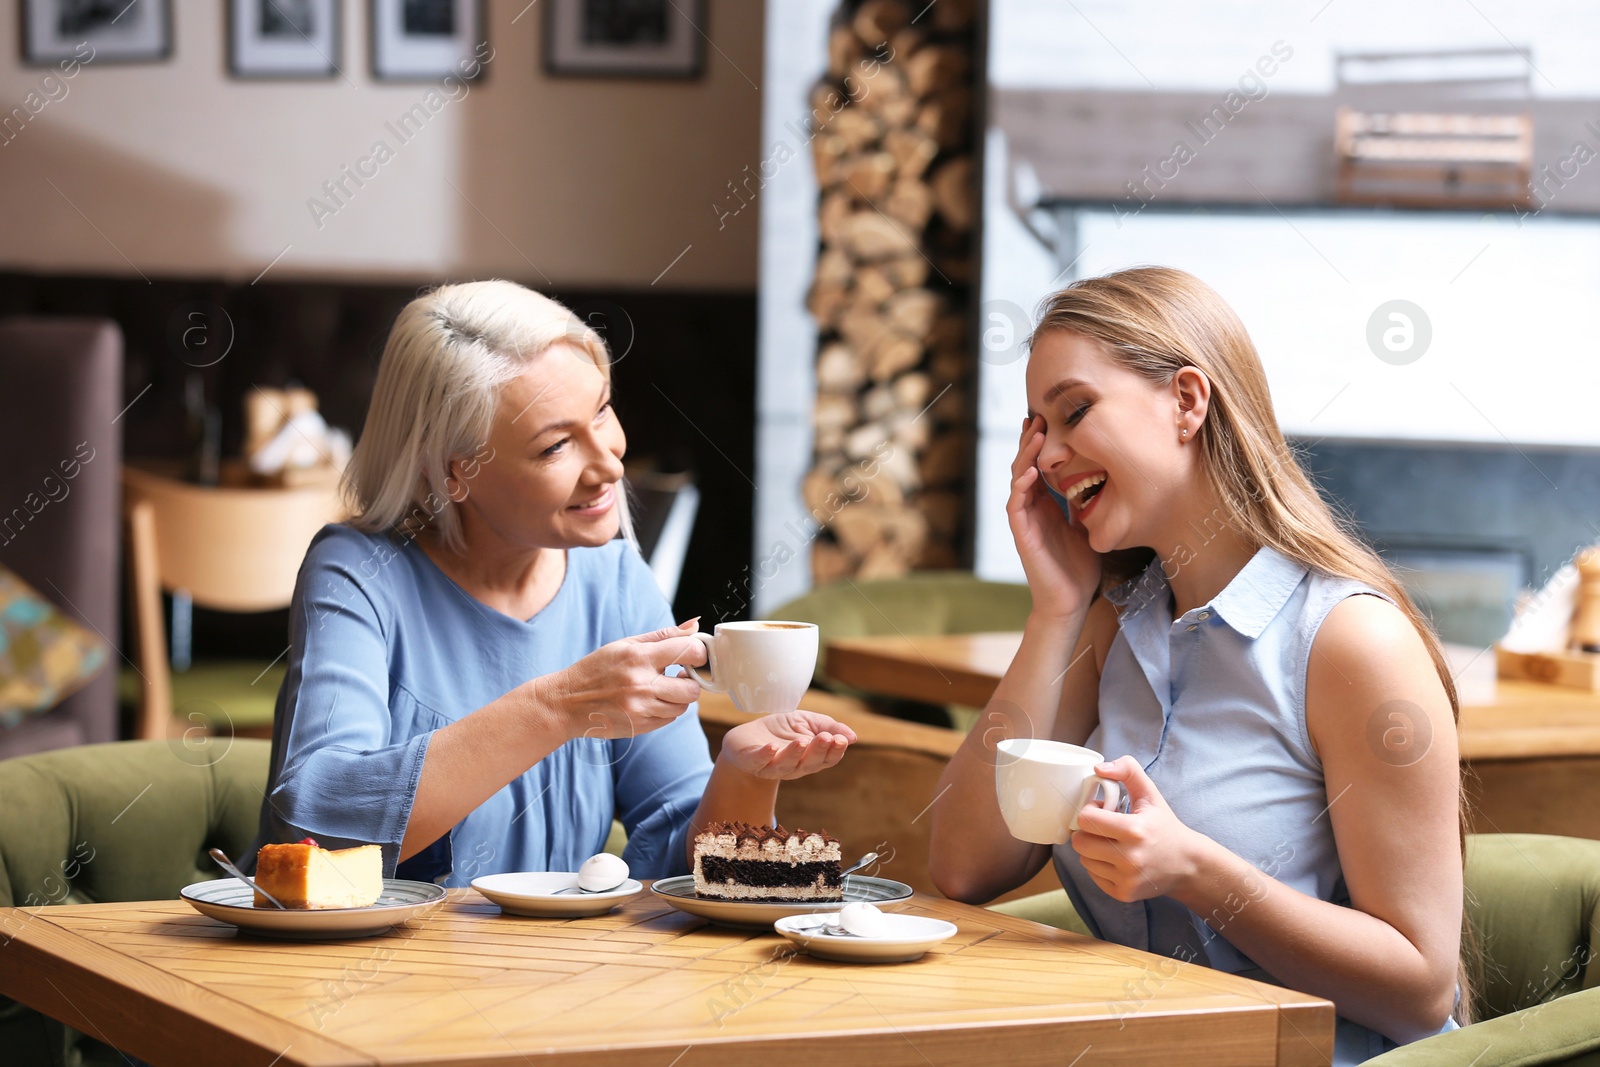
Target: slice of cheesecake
<point>305,875</point>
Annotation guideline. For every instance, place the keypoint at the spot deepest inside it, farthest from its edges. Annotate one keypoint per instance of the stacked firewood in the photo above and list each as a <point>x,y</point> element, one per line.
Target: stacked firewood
<point>893,144</point>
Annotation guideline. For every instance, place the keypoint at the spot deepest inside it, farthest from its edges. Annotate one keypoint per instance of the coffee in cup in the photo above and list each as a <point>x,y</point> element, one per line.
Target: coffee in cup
<point>1043,785</point>
<point>765,667</point>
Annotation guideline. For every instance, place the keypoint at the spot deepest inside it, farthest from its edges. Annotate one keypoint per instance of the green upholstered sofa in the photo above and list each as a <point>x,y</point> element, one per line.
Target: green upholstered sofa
<point>1535,902</point>
<point>125,821</point>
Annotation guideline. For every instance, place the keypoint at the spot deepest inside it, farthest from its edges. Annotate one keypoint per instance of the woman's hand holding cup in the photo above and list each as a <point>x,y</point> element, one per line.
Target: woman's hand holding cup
<point>1146,851</point>
<point>621,689</point>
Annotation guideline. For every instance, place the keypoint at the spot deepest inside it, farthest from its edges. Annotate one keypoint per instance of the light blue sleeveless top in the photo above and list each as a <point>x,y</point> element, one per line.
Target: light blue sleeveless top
<point>1213,707</point>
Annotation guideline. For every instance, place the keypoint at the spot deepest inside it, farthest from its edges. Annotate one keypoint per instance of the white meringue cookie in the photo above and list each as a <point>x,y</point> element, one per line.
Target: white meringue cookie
<point>602,872</point>
<point>862,920</point>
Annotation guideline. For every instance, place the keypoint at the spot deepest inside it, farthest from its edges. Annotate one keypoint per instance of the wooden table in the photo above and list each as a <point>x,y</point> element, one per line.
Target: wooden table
<point>945,669</point>
<point>1533,753</point>
<point>643,985</point>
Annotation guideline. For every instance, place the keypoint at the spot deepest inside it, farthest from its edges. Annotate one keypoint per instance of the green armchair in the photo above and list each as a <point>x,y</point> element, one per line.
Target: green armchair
<point>99,823</point>
<point>1535,902</point>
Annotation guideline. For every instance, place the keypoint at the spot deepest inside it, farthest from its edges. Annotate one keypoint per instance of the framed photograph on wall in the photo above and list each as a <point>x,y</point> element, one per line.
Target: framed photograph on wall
<point>625,38</point>
<point>283,38</point>
<point>426,40</point>
<point>115,31</point>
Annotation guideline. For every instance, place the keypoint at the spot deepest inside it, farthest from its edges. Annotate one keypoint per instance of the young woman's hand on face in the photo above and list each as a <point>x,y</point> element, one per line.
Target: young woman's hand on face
<point>787,746</point>
<point>621,690</point>
<point>1063,571</point>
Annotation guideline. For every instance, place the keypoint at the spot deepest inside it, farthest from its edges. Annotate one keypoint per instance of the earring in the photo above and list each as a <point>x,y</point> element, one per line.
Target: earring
<point>1186,431</point>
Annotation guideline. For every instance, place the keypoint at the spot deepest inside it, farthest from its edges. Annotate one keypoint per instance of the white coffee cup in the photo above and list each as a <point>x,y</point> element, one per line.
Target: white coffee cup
<point>765,667</point>
<point>1043,785</point>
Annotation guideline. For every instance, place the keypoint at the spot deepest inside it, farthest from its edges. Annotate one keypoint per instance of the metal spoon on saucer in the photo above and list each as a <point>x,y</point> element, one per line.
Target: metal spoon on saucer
<point>581,889</point>
<point>226,864</point>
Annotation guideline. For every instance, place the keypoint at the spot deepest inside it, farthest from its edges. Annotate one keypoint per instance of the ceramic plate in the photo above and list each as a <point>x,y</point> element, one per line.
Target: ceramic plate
<point>753,915</point>
<point>906,937</point>
<point>229,899</point>
<point>535,893</point>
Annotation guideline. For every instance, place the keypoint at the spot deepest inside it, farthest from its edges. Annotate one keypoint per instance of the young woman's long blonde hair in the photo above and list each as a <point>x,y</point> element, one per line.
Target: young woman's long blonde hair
<point>449,353</point>
<point>1157,320</point>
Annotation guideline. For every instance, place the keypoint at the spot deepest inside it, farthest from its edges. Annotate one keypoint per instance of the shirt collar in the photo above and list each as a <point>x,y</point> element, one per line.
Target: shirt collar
<point>1259,591</point>
<point>1248,603</point>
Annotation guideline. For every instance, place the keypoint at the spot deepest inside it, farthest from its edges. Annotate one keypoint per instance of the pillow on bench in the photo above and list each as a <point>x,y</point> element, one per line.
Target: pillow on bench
<point>45,657</point>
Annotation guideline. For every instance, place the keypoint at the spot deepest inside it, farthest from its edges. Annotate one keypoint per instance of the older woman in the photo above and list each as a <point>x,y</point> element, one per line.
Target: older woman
<point>478,675</point>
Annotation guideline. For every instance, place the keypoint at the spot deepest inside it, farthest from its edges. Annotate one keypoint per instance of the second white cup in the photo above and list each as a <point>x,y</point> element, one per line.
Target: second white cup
<point>1043,785</point>
<point>765,667</point>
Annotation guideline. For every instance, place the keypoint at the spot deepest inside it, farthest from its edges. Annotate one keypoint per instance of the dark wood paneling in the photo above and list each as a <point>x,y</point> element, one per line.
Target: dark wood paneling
<point>685,384</point>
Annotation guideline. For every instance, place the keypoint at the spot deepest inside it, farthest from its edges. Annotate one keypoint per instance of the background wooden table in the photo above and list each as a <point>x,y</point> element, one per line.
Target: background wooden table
<point>643,985</point>
<point>1533,754</point>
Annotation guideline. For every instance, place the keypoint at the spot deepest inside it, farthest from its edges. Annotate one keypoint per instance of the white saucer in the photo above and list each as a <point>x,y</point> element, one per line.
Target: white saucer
<point>535,893</point>
<point>232,901</point>
<point>905,938</point>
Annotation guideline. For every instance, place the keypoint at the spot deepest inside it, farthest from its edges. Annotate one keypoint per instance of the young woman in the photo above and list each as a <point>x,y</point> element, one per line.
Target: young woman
<point>478,675</point>
<point>1280,714</point>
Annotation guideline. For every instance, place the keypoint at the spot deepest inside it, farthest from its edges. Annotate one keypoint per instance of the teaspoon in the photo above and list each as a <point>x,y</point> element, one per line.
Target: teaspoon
<point>865,861</point>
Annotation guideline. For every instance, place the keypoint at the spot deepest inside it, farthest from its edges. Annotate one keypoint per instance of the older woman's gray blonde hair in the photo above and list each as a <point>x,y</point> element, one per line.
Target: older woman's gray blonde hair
<point>449,354</point>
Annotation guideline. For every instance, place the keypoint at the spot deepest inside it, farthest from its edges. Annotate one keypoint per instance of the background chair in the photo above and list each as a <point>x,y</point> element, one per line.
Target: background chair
<point>229,549</point>
<point>1534,900</point>
<point>63,391</point>
<point>102,823</point>
<point>928,602</point>
<point>664,507</point>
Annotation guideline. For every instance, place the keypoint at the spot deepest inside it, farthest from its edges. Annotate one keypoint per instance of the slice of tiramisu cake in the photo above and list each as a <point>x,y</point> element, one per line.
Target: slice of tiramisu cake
<point>737,861</point>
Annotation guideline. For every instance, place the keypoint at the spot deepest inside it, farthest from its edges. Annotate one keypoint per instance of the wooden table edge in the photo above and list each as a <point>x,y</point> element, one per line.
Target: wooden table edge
<point>822,1047</point>
<point>1299,1043</point>
<point>864,667</point>
<point>1505,745</point>
<point>226,1030</point>
<point>231,1031</point>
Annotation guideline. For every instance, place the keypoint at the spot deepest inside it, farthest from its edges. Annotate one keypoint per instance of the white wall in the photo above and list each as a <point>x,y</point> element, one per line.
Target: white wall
<point>1092,95</point>
<point>797,34</point>
<point>177,168</point>
<point>1170,45</point>
<point>1018,273</point>
<point>1493,345</point>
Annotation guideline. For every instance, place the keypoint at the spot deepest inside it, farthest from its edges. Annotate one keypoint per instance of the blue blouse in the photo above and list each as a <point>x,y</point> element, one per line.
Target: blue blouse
<point>385,649</point>
<point>1212,705</point>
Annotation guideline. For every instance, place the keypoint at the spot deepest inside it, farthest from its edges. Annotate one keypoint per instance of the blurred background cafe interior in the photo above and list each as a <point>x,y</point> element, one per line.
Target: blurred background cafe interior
<point>814,235</point>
